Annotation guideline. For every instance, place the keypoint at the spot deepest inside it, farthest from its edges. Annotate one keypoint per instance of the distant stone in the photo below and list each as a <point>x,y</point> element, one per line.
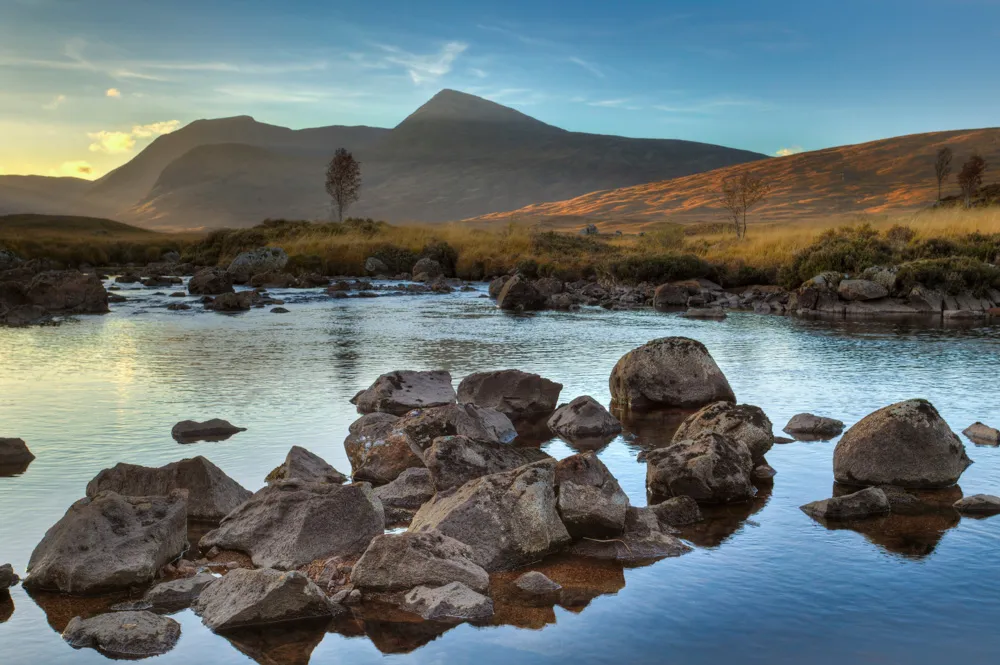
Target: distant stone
<point>668,296</point>
<point>180,593</point>
<point>453,601</point>
<point>716,313</point>
<point>210,282</point>
<point>496,286</point>
<point>279,310</point>
<point>678,511</point>
<point>14,452</point>
<point>124,635</point>
<point>514,393</point>
<point>868,502</point>
<point>455,460</point>
<point>744,423</point>
<point>248,264</point>
<point>582,418</point>
<point>190,430</point>
<point>807,423</point>
<point>668,372</point>
<point>300,464</point>
<point>710,468</point>
<point>403,390</point>
<point>402,561</point>
<point>426,269</point>
<point>977,504</point>
<point>861,289</point>
<point>234,302</point>
<point>978,432</point>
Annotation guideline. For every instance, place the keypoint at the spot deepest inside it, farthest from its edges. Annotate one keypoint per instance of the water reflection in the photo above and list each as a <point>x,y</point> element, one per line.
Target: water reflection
<point>61,608</point>
<point>721,522</point>
<point>12,470</point>
<point>283,644</point>
<point>6,606</point>
<point>647,430</point>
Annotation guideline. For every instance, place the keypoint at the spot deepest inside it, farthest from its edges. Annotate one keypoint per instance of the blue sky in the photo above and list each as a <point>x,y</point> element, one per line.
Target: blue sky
<point>87,84</point>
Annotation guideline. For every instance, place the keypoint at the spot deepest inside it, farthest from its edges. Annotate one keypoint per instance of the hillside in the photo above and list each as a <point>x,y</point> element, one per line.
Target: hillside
<point>40,194</point>
<point>891,175</point>
<point>35,226</point>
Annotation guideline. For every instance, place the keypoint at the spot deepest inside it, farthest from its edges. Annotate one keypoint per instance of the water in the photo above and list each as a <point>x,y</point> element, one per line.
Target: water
<point>765,584</point>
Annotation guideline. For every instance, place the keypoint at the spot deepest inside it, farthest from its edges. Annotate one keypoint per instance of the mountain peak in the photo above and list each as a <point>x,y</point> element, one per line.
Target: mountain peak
<point>454,105</point>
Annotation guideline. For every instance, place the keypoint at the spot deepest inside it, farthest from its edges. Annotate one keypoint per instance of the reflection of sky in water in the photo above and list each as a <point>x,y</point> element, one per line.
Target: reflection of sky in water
<point>778,589</point>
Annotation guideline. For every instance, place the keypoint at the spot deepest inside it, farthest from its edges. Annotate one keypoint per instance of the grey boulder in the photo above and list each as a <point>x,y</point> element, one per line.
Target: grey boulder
<point>861,289</point>
<point>180,593</point>
<point>643,539</point>
<point>743,423</point>
<point>710,468</point>
<point>668,372</point>
<point>403,496</point>
<point>978,504</point>
<point>677,511</point>
<point>300,464</point>
<point>590,501</point>
<point>124,635</point>
<point>264,259</point>
<point>869,502</point>
<point>584,417</point>
<point>210,282</point>
<point>514,393</point>
<point>378,454</point>
<point>402,561</point>
<point>404,390</point>
<point>451,602</point>
<point>455,460</point>
<point>817,426</point>
<point>263,596</point>
<point>536,585</point>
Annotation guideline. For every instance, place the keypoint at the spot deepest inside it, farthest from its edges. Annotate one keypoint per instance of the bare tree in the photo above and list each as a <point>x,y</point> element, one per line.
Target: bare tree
<point>970,178</point>
<point>942,167</point>
<point>343,181</point>
<point>738,194</point>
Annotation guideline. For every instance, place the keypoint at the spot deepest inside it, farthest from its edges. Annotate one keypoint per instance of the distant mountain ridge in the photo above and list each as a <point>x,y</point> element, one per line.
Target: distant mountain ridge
<point>456,156</point>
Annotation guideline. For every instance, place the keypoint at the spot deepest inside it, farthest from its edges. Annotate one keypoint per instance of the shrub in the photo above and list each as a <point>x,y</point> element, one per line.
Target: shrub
<point>657,269</point>
<point>399,259</point>
<point>953,275</point>
<point>849,249</point>
<point>527,267</point>
<point>443,253</point>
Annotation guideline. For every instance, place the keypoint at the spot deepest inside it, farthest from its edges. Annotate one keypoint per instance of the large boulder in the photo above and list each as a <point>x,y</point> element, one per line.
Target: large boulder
<point>643,539</point>
<point>591,503</point>
<point>906,444</point>
<point>68,292</point>
<point>426,269</point>
<point>451,602</point>
<point>110,542</point>
<point>508,519</point>
<point>744,423</point>
<point>861,289</point>
<point>244,598</point>
<point>403,390</point>
<point>190,430</point>
<point>14,452</point>
<point>402,561</point>
<point>291,523</point>
<point>677,511</point>
<point>376,452</point>
<point>178,594</point>
<point>423,426</point>
<point>670,296</point>
<point>710,468</point>
<point>806,424</point>
<point>402,498</point>
<point>124,635</point>
<point>211,493</point>
<point>519,294</point>
<point>265,259</point>
<point>210,282</point>
<point>300,464</point>
<point>669,372</point>
<point>868,502</point>
<point>582,418</point>
<point>514,393</point>
<point>455,460</point>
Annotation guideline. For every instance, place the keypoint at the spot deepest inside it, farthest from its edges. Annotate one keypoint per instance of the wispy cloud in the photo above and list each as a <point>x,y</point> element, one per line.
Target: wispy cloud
<point>590,67</point>
<point>609,103</point>
<point>155,128</point>
<point>518,36</point>
<point>425,68</point>
<point>56,102</point>
<point>478,73</point>
<point>710,106</point>
<point>785,152</point>
<point>116,143</point>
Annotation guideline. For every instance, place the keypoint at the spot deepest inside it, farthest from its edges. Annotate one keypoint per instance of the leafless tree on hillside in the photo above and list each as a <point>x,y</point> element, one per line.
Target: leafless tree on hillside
<point>343,181</point>
<point>970,178</point>
<point>738,194</point>
<point>942,167</point>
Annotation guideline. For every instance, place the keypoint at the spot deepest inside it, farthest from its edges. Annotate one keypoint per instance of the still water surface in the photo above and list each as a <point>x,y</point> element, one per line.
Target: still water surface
<point>765,584</point>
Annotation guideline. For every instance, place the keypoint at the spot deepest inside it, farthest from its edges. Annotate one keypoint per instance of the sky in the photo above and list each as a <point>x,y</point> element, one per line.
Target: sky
<point>86,84</point>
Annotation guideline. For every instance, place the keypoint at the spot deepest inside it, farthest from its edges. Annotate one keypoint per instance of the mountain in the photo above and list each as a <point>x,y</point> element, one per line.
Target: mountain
<point>894,174</point>
<point>41,194</point>
<point>457,156</point>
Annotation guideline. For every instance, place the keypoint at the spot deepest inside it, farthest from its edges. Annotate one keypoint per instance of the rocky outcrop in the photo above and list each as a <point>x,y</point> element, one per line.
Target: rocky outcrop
<point>190,430</point>
<point>519,294</point>
<point>978,432</point>
<point>109,542</point>
<point>420,428</point>
<point>979,504</point>
<point>402,498</point>
<point>248,264</point>
<point>291,523</point>
<point>402,561</point>
<point>906,444</point>
<point>455,460</point>
<point>124,635</point>
<point>744,423</point>
<point>508,519</point>
<point>378,454</point>
<point>211,493</point>
<point>516,394</point>
<point>710,468</point>
<point>868,502</point>
<point>403,390</point>
<point>244,598</point>
<point>178,594</point>
<point>668,372</point>
<point>30,298</point>
<point>861,289</point>
<point>451,602</point>
<point>814,426</point>
<point>643,539</point>
<point>590,501</point>
<point>14,452</point>
<point>677,511</point>
<point>300,464</point>
<point>582,418</point>
<point>210,282</point>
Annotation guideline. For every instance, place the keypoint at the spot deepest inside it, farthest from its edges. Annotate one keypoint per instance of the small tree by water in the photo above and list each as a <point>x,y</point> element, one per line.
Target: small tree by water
<point>738,194</point>
<point>343,181</point>
<point>942,167</point>
<point>970,178</point>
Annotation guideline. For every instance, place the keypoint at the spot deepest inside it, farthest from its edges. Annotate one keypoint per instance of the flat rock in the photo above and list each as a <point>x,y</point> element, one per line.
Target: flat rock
<point>453,601</point>
<point>869,502</point>
<point>584,417</point>
<point>455,460</point>
<point>978,432</point>
<point>124,635</point>
<point>14,452</point>
<point>668,372</point>
<point>178,594</point>
<point>808,424</point>
<point>678,511</point>
<point>402,561</point>
<point>861,289</point>
<point>300,464</point>
<point>978,504</point>
<point>190,430</point>
<point>403,496</point>
<point>744,423</point>
<point>591,503</point>
<point>710,468</point>
<point>404,390</point>
<point>643,539</point>
<point>263,596</point>
<point>514,393</point>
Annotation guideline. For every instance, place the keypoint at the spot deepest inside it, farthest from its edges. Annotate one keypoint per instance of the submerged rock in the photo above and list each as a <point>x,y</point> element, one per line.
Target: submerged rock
<point>810,425</point>
<point>190,430</point>
<point>711,313</point>
<point>234,302</point>
<point>710,468</point>
<point>259,597</point>
<point>978,432</point>
<point>455,460</point>
<point>643,539</point>
<point>402,561</point>
<point>868,502</point>
<point>535,585</point>
<point>906,444</point>
<point>514,393</point>
<point>590,501</point>
<point>300,464</point>
<point>453,601</point>
<point>124,635</point>
<point>178,594</point>
<point>584,417</point>
<point>979,504</point>
<point>668,372</point>
<point>404,390</point>
<point>14,452</point>
<point>403,496</point>
<point>744,423</point>
<point>109,542</point>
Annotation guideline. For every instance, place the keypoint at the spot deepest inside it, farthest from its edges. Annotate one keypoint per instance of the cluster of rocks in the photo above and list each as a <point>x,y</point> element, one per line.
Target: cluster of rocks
<point>31,293</point>
<point>425,269</point>
<point>363,288</point>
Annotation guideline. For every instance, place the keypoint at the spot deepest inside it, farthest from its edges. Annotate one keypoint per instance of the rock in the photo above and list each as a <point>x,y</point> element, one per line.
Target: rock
<point>710,468</point>
<point>518,294</point>
<point>584,417</point>
<point>402,561</point>
<point>426,269</point>
<point>496,286</point>
<point>190,430</point>
<point>978,432</point>
<point>421,427</point>
<point>265,259</point>
<point>678,511</point>
<point>14,452</point>
<point>211,493</point>
<point>668,372</point>
<point>704,313</point>
<point>67,292</point>
<point>590,501</point>
<point>861,289</point>
<point>453,601</point>
<point>376,454</point>
<point>403,390</point>
<point>376,266</point>
<point>291,523</point>
<point>516,394</point>
<point>245,597</point>
<point>810,425</point>
<point>508,519</point>
<point>744,423</point>
<point>178,307</point>
<point>868,502</point>
<point>8,259</point>
<point>455,460</point>
<point>178,594</point>
<point>300,464</point>
<point>906,444</point>
<point>24,315</point>
<point>234,302</point>
<point>210,282</point>
<point>279,310</point>
<point>977,504</point>
<point>403,496</point>
<point>763,472</point>
<point>274,280</point>
<point>668,296</point>
<point>534,584</point>
<point>643,539</point>
<point>7,577</point>
<point>109,542</point>
<point>124,635</point>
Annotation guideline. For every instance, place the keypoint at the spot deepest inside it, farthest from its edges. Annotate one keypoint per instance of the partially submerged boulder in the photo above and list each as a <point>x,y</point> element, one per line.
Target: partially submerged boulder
<point>455,460</point>
<point>869,502</point>
<point>216,428</point>
<point>402,561</point>
<point>234,302</point>
<point>210,282</point>
<point>514,393</point>
<point>584,417</point>
<point>245,597</point>
<point>643,539</point>
<point>978,432</point>
<point>404,390</point>
<point>813,426</point>
<point>744,423</point>
<point>979,504</point>
<point>535,585</point>
<point>710,468</point>
<point>677,511</point>
<point>508,519</point>
<point>906,444</point>
<point>300,464</point>
<point>109,542</point>
<point>453,601</point>
<point>402,498</point>
<point>124,635</point>
<point>211,493</point>
<point>422,427</point>
<point>291,523</point>
<point>67,292</point>
<point>180,593</point>
<point>668,372</point>
<point>519,294</point>
<point>669,296</point>
<point>590,501</point>
<point>14,452</point>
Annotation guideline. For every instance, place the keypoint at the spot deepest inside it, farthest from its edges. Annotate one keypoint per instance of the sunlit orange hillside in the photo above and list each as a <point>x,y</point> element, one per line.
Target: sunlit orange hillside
<point>892,175</point>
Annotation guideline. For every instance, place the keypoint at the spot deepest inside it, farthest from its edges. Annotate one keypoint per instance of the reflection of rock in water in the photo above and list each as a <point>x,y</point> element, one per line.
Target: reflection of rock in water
<point>11,470</point>
<point>6,606</point>
<point>722,521</point>
<point>284,644</point>
<point>60,608</point>
<point>646,430</point>
<point>532,431</point>
<point>392,630</point>
<point>589,444</point>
